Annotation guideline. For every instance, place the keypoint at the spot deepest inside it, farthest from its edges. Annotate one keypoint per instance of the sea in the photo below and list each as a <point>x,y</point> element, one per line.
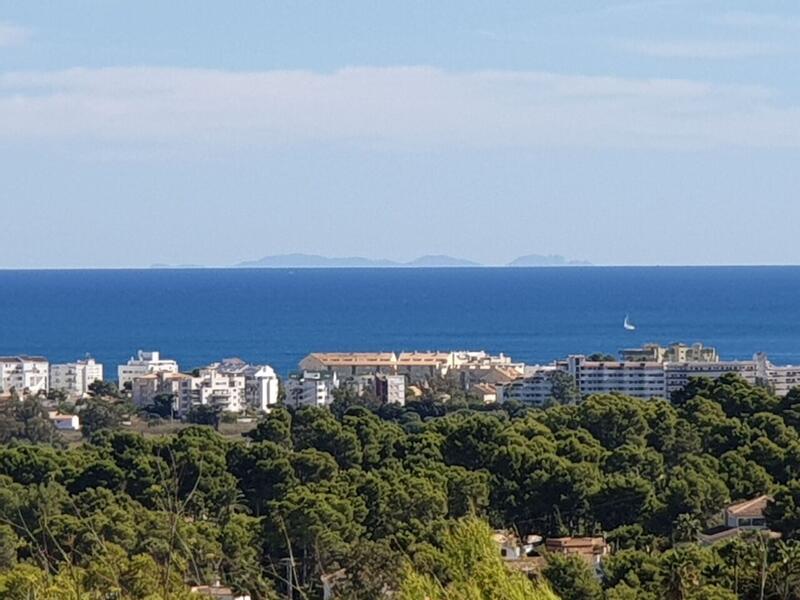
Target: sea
<point>277,316</point>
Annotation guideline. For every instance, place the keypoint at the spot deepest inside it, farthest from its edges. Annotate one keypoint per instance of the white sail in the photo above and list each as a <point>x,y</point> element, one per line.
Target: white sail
<point>628,325</point>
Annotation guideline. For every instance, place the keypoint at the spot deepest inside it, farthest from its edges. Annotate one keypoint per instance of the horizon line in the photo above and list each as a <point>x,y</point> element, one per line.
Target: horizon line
<point>405,267</point>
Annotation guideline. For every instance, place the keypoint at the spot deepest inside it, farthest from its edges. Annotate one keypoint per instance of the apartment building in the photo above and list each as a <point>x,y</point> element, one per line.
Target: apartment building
<point>637,379</point>
<point>311,388</point>
<point>144,363</point>
<point>261,382</point>
<point>535,389</point>
<point>212,388</point>
<point>391,389</point>
<point>349,364</point>
<point>74,378</point>
<point>677,375</point>
<point>24,374</point>
<point>145,388</point>
<point>644,379</point>
<point>678,352</point>
<point>416,366</point>
<point>780,379</point>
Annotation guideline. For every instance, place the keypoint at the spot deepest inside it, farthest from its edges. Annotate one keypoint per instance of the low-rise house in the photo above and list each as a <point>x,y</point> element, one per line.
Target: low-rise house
<point>740,518</point>
<point>511,547</point>
<point>748,514</point>
<point>76,377</point>
<point>24,374</point>
<point>518,555</point>
<point>218,592</point>
<point>64,422</point>
<point>592,549</point>
<point>485,392</point>
<point>415,391</point>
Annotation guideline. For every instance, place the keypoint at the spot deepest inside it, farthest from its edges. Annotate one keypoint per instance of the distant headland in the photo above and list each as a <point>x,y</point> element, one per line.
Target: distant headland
<point>317,261</point>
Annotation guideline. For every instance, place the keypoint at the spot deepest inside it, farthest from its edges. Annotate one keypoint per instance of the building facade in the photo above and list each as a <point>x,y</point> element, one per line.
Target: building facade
<point>145,388</point>
<point>74,378</point>
<point>672,353</point>
<point>391,389</point>
<point>212,388</point>
<point>678,375</point>
<point>24,374</point>
<point>415,366</point>
<point>637,379</point>
<point>261,382</point>
<point>535,389</point>
<point>311,388</point>
<point>645,380</point>
<point>145,363</point>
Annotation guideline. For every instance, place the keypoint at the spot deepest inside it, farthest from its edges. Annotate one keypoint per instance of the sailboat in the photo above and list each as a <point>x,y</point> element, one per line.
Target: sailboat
<point>628,325</point>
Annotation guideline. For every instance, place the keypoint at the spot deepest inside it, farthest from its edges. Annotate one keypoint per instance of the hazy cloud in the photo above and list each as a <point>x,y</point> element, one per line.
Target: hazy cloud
<point>12,35</point>
<point>698,49</point>
<point>759,20</point>
<point>408,106</point>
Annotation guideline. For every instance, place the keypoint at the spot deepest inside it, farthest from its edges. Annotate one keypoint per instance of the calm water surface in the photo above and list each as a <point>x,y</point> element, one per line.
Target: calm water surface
<point>278,315</point>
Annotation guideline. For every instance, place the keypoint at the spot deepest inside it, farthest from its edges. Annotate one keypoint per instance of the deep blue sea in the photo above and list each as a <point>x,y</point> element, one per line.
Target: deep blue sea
<point>279,315</point>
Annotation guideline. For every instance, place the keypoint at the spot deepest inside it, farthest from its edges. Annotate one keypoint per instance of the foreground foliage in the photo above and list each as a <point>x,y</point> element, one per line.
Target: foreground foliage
<point>373,498</point>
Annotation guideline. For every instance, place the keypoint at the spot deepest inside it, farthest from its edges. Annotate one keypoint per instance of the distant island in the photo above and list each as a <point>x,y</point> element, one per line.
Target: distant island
<point>300,261</point>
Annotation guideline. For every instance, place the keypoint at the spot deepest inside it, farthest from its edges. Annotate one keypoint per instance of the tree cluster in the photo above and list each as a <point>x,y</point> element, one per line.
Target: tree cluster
<point>380,498</point>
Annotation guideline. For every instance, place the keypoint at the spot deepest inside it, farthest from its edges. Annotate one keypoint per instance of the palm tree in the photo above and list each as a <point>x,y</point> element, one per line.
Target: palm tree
<point>687,528</point>
<point>680,573</point>
<point>784,574</point>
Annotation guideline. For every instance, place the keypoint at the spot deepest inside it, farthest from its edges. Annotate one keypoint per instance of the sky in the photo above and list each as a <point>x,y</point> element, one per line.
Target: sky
<point>199,132</point>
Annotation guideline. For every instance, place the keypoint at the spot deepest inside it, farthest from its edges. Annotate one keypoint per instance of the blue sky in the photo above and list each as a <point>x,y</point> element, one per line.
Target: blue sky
<point>661,132</point>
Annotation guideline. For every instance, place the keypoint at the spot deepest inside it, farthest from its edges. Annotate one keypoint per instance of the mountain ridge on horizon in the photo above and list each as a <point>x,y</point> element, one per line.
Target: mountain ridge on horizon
<point>300,260</point>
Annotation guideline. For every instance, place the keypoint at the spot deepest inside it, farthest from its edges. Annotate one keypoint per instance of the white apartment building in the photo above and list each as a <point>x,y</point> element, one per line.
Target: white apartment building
<point>349,364</point>
<point>212,388</point>
<point>261,382</point>
<point>780,379</point>
<point>145,363</point>
<point>637,379</point>
<point>22,374</point>
<point>74,378</point>
<point>464,360</point>
<point>672,353</point>
<point>311,388</point>
<point>535,389</point>
<point>145,388</point>
<point>391,389</point>
<point>388,389</point>
<point>416,366</point>
<point>677,375</point>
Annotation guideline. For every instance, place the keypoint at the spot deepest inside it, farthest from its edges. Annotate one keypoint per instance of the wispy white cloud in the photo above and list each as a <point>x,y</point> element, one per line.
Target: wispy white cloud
<point>759,20</point>
<point>12,35</point>
<point>701,49</point>
<point>411,106</point>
